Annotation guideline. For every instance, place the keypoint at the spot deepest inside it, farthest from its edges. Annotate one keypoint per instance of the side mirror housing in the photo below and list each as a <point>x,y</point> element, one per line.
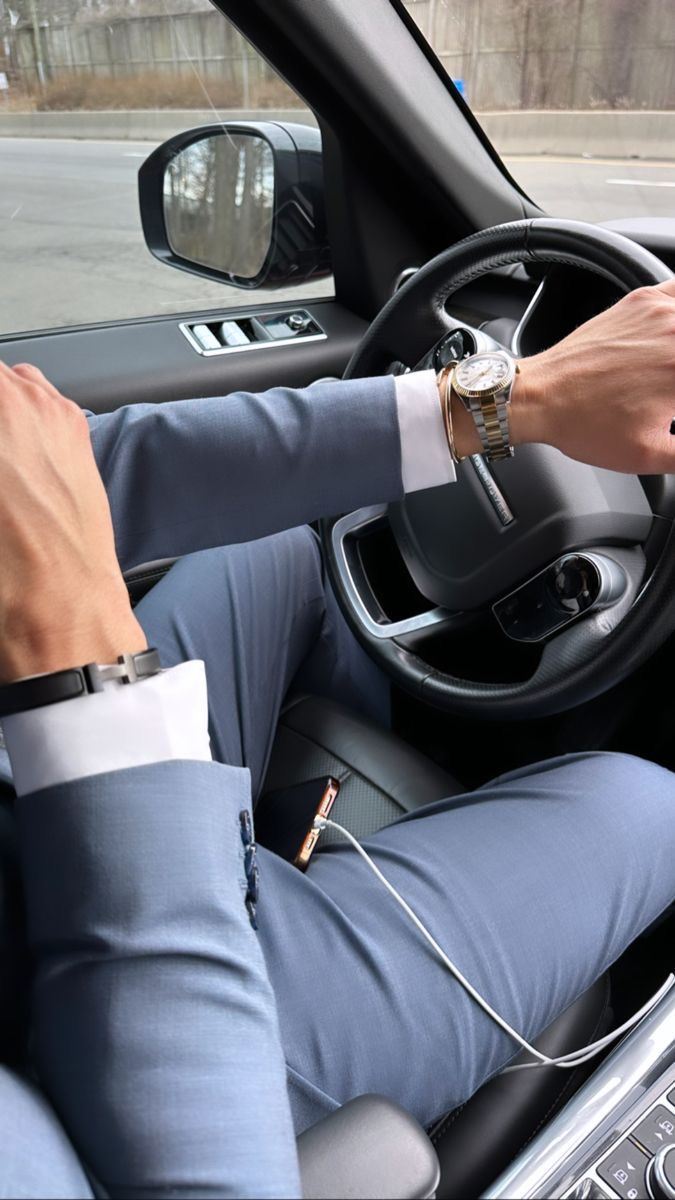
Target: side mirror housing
<point>241,203</point>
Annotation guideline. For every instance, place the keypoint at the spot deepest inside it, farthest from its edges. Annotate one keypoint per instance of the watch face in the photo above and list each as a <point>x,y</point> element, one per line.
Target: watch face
<point>483,372</point>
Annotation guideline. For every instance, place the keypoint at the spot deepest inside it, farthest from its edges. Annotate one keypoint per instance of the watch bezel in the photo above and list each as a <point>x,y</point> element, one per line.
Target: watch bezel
<point>491,390</point>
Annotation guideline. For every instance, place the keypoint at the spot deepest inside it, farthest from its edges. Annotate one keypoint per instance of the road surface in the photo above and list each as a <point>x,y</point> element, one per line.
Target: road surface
<point>72,251</point>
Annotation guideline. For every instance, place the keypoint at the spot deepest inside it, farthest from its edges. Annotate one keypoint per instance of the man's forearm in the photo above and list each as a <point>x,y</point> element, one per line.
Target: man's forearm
<point>188,475</point>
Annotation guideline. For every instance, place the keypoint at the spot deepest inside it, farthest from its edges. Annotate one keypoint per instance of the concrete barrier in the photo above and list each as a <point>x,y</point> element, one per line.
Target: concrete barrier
<point>135,126</point>
<point>641,134</point>
<point>644,134</point>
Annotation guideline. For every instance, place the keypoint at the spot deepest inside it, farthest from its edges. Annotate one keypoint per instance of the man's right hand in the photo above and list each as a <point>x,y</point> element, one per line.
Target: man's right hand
<point>605,395</point>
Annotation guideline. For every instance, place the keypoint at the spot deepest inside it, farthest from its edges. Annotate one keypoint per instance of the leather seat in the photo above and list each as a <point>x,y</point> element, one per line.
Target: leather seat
<point>382,778</point>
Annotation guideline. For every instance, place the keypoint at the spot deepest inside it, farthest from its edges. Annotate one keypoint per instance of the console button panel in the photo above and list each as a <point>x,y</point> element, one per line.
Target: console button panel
<point>657,1130</point>
<point>623,1170</point>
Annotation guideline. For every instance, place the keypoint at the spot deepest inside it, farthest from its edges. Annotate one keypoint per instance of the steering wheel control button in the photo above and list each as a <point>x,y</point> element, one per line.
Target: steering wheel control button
<point>661,1175</point>
<point>625,1171</point>
<point>573,585</point>
<point>657,1130</point>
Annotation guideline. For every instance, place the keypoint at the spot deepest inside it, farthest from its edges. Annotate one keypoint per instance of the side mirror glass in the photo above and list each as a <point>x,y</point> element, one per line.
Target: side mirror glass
<point>219,204</point>
<point>242,203</point>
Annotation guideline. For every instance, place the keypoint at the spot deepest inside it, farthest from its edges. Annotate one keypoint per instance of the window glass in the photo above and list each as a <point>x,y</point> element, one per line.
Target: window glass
<point>578,96</point>
<point>88,88</point>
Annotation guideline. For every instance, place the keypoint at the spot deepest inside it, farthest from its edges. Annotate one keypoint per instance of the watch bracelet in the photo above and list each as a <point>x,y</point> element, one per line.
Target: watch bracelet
<point>491,421</point>
<point>493,429</point>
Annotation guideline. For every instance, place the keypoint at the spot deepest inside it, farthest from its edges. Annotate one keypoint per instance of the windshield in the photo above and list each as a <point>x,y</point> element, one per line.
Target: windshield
<point>578,96</point>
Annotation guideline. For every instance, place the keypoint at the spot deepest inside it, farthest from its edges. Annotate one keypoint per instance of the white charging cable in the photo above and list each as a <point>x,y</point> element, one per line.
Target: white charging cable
<point>564,1061</point>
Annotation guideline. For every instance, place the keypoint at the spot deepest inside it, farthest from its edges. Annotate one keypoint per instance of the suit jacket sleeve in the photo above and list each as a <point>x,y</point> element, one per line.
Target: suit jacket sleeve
<point>191,474</point>
<point>156,1034</point>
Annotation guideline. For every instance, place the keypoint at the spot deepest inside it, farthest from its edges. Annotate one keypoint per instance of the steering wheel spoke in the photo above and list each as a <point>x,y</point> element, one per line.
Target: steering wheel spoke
<point>345,559</point>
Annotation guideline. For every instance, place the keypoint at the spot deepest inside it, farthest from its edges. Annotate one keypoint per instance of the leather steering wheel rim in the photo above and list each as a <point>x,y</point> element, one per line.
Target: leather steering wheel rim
<point>601,649</point>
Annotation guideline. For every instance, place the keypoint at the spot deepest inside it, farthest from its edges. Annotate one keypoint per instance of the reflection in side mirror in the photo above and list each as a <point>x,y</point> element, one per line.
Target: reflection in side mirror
<point>241,202</point>
<point>219,203</point>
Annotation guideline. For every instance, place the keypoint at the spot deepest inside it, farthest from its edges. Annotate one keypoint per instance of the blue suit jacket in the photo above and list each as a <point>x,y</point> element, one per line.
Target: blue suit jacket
<point>156,1036</point>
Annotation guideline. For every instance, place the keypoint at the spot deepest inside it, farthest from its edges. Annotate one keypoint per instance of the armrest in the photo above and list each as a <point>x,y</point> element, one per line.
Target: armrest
<point>368,1148</point>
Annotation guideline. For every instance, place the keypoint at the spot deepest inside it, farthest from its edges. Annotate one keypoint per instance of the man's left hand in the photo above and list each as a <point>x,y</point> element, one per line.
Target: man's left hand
<point>63,601</point>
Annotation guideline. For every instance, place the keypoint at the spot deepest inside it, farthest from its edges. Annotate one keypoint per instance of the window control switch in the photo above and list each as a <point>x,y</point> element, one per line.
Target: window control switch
<point>206,338</point>
<point>232,334</point>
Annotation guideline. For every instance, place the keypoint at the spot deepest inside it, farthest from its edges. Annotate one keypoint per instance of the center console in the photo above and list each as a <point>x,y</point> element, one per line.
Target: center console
<point>616,1137</point>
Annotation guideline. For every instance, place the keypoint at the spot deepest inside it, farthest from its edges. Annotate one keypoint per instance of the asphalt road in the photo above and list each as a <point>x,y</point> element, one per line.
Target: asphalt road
<point>72,252</point>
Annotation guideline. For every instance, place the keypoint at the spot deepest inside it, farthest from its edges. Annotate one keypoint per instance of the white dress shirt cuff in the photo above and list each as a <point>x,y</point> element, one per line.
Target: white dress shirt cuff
<point>425,457</point>
<point>126,725</point>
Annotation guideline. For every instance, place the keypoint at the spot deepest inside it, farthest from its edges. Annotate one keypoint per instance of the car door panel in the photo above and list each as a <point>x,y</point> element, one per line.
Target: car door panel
<point>151,361</point>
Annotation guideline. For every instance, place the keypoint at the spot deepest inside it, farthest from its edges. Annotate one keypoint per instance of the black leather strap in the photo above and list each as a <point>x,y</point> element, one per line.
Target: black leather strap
<point>38,691</point>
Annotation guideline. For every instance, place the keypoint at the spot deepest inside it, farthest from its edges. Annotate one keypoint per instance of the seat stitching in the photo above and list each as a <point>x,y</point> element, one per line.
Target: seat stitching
<point>437,1133</point>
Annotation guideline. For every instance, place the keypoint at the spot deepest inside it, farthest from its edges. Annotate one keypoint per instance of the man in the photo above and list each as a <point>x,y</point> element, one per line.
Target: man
<point>180,1048</point>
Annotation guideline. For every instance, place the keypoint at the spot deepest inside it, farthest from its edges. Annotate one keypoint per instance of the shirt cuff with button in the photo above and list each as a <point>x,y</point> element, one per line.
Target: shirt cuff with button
<point>165,717</point>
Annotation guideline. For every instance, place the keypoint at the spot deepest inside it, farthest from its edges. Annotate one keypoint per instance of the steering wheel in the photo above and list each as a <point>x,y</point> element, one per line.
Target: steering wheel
<point>564,563</point>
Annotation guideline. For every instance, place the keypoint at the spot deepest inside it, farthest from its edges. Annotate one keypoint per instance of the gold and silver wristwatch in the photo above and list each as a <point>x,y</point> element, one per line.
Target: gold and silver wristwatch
<point>483,383</point>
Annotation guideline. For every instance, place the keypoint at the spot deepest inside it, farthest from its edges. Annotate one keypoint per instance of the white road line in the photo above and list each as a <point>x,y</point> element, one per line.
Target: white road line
<point>642,182</point>
<point>567,159</point>
<point>134,155</point>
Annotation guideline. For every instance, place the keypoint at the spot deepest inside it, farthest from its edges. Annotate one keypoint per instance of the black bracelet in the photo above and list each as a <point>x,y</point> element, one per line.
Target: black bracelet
<point>37,691</point>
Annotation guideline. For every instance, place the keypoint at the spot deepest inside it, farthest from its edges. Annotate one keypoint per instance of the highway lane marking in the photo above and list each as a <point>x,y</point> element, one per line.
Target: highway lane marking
<point>642,182</point>
<point>134,154</point>
<point>16,212</point>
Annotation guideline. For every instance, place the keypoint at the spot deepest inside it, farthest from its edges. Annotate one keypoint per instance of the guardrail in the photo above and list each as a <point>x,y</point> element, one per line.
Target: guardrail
<point>643,134</point>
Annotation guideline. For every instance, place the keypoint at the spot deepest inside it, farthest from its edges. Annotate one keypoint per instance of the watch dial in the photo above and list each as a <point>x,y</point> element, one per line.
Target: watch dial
<point>483,372</point>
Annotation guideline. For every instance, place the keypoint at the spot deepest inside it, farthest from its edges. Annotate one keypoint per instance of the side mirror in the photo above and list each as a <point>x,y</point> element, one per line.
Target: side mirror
<point>242,203</point>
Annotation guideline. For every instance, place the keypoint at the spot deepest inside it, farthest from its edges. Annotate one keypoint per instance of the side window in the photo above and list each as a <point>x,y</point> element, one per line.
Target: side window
<point>88,88</point>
